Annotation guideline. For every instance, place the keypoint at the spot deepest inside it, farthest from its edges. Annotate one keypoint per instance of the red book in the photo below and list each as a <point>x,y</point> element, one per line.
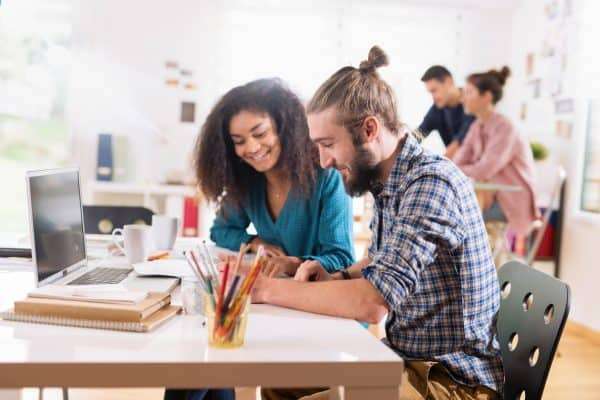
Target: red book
<point>520,245</point>
<point>546,249</point>
<point>190,216</point>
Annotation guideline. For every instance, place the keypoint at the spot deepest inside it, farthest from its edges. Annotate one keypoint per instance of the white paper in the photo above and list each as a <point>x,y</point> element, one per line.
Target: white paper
<point>170,267</point>
<point>94,293</point>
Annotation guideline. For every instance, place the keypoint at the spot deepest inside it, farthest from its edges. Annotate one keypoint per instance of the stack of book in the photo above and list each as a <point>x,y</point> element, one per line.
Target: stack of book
<point>137,312</point>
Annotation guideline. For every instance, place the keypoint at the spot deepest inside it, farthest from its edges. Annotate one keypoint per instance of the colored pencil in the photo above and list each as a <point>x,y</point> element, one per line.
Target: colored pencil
<point>224,281</point>
<point>209,285</point>
<point>242,295</point>
<point>209,258</point>
<point>236,276</point>
<point>194,266</point>
<point>232,289</point>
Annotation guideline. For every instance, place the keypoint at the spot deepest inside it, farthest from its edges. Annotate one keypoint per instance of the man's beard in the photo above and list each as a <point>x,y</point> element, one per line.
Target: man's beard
<point>364,174</point>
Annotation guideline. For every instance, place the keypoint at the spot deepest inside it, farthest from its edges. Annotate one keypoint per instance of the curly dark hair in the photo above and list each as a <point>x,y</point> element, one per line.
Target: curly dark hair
<point>220,171</point>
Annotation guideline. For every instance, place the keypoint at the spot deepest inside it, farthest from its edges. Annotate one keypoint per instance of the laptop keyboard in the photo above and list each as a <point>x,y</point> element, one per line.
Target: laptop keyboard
<point>101,276</point>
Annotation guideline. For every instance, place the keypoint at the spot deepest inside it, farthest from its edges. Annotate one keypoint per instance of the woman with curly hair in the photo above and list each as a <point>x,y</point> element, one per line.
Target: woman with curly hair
<point>255,158</point>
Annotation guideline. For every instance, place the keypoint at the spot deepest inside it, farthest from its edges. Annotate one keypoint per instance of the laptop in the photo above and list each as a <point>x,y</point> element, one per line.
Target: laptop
<point>58,245</point>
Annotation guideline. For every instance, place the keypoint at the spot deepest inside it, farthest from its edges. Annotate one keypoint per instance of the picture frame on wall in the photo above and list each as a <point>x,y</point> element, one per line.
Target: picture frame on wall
<point>188,112</point>
<point>529,64</point>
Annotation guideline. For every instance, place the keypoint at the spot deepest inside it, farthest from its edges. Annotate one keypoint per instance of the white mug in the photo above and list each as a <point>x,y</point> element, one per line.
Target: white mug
<point>138,242</point>
<point>164,229</point>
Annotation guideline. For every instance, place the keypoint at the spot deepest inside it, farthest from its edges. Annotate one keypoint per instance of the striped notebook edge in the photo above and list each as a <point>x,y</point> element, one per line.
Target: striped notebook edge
<point>146,325</point>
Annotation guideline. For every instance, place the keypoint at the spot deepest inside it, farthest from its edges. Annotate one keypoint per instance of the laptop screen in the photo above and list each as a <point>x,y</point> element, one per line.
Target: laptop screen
<point>56,221</point>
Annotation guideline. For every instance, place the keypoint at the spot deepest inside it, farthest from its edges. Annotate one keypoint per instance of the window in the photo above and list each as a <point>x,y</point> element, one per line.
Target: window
<point>34,66</point>
<point>590,196</point>
<point>590,65</point>
<point>293,43</point>
<point>305,47</point>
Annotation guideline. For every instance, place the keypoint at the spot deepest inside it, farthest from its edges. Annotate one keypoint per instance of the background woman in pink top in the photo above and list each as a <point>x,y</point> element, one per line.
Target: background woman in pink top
<point>493,151</point>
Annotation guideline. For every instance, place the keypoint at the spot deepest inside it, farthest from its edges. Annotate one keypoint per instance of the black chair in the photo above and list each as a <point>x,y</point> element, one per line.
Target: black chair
<point>103,219</point>
<point>540,226</point>
<point>533,312</point>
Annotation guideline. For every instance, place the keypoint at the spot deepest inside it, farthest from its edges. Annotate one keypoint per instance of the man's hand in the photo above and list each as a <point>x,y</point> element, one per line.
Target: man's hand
<point>312,270</point>
<point>452,149</point>
<point>271,250</point>
<point>281,265</point>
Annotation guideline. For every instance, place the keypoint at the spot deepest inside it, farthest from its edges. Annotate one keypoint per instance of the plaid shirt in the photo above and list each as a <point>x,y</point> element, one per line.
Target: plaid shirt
<point>431,262</point>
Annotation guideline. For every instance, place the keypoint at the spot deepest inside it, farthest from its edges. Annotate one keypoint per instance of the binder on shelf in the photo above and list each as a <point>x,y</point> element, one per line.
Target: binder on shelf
<point>190,216</point>
<point>104,170</point>
<point>123,167</point>
<point>174,208</point>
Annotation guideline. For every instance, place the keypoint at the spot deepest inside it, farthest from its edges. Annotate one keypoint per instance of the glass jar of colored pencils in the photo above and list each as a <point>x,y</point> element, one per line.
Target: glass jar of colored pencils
<point>227,330</point>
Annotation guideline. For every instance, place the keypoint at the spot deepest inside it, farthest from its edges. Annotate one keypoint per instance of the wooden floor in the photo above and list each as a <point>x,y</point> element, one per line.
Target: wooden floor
<point>575,374</point>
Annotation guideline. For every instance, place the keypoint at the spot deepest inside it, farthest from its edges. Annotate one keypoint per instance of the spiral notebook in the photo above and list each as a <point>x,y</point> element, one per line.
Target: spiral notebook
<point>146,325</point>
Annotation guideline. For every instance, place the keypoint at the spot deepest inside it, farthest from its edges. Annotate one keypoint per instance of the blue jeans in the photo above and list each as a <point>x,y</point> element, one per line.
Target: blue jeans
<point>199,394</point>
<point>494,213</point>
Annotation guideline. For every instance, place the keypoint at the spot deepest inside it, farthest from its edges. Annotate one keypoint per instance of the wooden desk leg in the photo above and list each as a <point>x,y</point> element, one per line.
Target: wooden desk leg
<point>379,393</point>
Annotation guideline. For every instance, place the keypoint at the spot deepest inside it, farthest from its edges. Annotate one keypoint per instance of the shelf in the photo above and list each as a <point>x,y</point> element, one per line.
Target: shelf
<point>142,189</point>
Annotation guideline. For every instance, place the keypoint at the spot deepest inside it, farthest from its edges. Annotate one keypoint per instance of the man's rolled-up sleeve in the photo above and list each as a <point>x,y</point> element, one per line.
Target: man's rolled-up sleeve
<point>428,220</point>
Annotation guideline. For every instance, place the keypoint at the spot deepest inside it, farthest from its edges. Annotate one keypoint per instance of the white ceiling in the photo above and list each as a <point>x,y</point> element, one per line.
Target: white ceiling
<point>475,4</point>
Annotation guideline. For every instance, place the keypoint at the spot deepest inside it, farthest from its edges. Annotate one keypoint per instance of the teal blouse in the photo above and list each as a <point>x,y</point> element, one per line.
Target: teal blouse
<point>318,227</point>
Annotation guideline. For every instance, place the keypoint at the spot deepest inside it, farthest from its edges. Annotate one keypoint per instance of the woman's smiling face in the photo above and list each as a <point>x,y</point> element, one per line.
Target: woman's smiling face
<point>255,139</point>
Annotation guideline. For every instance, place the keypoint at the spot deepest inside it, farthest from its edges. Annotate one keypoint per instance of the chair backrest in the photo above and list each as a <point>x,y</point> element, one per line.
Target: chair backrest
<point>533,311</point>
<point>539,233</point>
<point>103,219</point>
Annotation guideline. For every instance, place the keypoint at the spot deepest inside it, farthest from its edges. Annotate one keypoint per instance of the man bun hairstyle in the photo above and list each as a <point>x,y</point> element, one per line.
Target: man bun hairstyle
<point>377,58</point>
<point>357,93</point>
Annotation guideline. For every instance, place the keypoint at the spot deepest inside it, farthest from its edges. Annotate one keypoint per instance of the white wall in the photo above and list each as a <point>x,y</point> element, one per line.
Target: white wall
<point>581,231</point>
<point>120,49</point>
<point>118,75</point>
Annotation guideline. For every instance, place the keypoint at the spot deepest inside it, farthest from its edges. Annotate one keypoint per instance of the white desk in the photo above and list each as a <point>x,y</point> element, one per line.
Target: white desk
<point>284,348</point>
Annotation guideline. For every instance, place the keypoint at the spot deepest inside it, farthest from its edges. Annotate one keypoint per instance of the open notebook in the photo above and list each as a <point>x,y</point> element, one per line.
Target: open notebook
<point>146,325</point>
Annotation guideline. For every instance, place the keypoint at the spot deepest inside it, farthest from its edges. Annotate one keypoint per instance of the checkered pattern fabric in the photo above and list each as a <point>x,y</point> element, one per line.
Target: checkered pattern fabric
<point>431,262</point>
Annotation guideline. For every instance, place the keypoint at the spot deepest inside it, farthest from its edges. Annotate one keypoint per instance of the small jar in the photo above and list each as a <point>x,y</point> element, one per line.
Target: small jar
<point>192,296</point>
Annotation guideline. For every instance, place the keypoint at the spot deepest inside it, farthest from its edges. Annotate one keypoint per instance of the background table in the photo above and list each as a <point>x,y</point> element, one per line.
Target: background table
<point>485,189</point>
<point>496,187</point>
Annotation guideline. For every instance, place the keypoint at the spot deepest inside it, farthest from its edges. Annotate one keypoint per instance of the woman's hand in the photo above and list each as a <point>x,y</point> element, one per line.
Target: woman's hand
<point>485,198</point>
<point>244,264</point>
<point>271,250</point>
<point>257,295</point>
<point>312,270</point>
<point>281,265</point>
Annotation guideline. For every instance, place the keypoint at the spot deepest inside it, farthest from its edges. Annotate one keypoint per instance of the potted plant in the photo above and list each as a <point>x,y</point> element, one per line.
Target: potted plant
<point>539,150</point>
